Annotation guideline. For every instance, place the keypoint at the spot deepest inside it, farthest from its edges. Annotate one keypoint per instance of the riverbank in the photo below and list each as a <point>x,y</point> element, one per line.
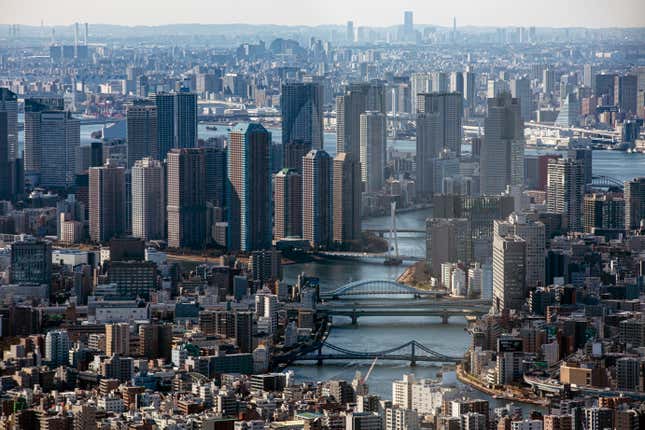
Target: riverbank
<point>515,394</point>
<point>416,275</point>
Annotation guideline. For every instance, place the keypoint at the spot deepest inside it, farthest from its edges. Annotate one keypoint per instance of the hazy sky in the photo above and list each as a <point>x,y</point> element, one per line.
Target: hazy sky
<point>556,13</point>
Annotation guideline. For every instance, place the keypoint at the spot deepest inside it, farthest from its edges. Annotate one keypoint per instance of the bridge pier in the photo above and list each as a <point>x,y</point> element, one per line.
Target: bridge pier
<point>354,318</point>
<point>319,361</point>
<point>444,319</point>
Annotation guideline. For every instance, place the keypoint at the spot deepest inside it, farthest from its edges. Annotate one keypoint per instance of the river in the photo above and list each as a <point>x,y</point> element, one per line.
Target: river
<point>378,333</point>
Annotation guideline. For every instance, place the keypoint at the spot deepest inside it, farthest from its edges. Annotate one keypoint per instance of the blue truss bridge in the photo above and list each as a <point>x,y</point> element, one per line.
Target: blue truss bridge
<point>412,352</point>
<point>376,287</point>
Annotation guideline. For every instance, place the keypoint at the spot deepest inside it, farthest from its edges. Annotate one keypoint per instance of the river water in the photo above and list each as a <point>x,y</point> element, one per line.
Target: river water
<point>378,333</point>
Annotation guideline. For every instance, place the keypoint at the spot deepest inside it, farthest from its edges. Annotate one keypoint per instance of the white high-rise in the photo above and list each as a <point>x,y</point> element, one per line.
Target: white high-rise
<point>148,199</point>
<point>419,83</point>
<point>565,191</point>
<point>533,234</point>
<point>402,391</point>
<point>475,280</point>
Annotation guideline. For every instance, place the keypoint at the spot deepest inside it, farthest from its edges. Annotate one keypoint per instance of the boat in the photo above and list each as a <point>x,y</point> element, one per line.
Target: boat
<point>392,261</point>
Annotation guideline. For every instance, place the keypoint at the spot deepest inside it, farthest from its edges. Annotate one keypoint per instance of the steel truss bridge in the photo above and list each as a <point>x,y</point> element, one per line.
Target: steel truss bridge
<point>376,287</point>
<point>412,351</point>
<point>607,182</point>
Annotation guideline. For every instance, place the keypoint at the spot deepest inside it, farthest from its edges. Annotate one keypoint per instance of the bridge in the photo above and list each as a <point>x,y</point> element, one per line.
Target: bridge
<point>411,351</point>
<point>383,231</point>
<point>366,255</point>
<point>423,308</point>
<point>606,182</point>
<point>85,121</point>
<point>376,287</point>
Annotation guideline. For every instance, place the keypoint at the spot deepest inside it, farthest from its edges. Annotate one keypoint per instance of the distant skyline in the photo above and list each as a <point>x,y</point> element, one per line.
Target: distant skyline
<point>546,13</point>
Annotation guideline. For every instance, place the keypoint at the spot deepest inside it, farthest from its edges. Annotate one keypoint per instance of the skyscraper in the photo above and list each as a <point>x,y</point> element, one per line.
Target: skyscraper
<point>419,83</point>
<point>141,129</point>
<point>373,150</point>
<point>9,104</point>
<point>428,138</point>
<point>107,202</point>
<point>584,156</point>
<point>457,83</point>
<point>186,119</point>
<point>569,111</point>
<point>533,234</point>
<point>52,137</point>
<point>292,154</point>
<point>634,202</point>
<point>317,198</point>
<point>31,262</point>
<point>358,98</point>
<point>408,21</point>
<point>287,204</point>
<point>216,172</point>
<point>548,80</point>
<point>349,108</point>
<point>502,152</point>
<point>244,331</point>
<point>509,272</point>
<point>5,167</point>
<point>448,240</point>
<point>350,32</point>
<point>57,345</point>
<point>449,107</point>
<point>33,110</point>
<point>302,119</point>
<point>440,82</point>
<point>148,199</point>
<point>565,191</point>
<point>346,195</point>
<point>165,103</point>
<point>176,121</point>
<point>470,91</point>
<point>587,75</point>
<point>495,87</point>
<point>521,90</point>
<point>625,93</point>
<point>186,204</point>
<point>603,87</point>
<point>249,187</point>
<point>603,211</point>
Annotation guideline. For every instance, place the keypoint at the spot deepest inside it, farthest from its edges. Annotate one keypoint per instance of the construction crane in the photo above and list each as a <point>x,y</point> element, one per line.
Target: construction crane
<point>369,372</point>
